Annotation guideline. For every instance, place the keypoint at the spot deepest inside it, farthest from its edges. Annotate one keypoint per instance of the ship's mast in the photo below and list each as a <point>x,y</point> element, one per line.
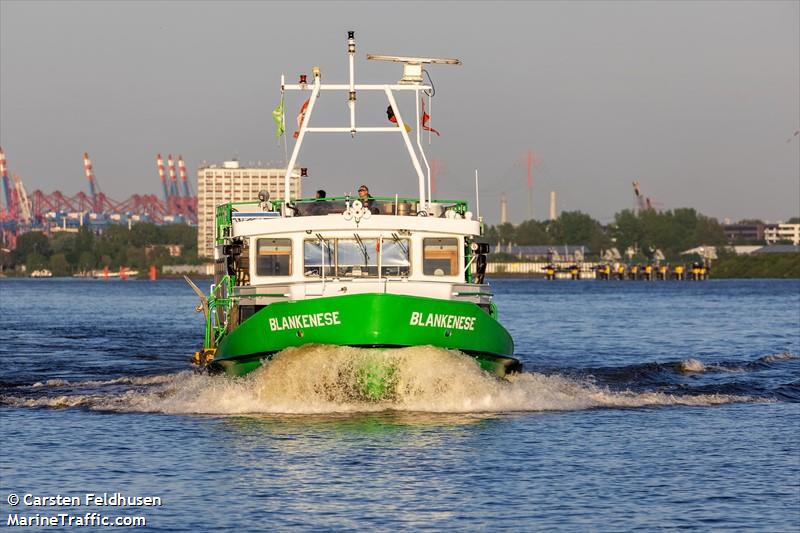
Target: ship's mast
<point>411,81</point>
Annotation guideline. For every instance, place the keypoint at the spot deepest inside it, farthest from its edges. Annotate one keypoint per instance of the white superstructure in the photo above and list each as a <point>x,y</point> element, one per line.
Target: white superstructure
<point>315,256</point>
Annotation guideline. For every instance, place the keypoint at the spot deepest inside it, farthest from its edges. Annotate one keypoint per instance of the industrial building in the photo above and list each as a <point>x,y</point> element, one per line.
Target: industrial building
<point>230,182</point>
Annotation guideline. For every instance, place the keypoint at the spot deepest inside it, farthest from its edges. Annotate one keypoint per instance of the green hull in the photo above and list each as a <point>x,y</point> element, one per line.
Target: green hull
<point>367,320</point>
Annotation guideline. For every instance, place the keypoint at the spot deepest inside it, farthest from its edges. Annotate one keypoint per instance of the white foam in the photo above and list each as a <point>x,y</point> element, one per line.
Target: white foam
<point>784,356</point>
<point>692,366</point>
<point>325,379</point>
<point>126,380</point>
<point>50,383</point>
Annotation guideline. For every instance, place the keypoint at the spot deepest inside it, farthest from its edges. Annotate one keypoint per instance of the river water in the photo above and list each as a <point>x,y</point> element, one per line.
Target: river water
<point>644,406</point>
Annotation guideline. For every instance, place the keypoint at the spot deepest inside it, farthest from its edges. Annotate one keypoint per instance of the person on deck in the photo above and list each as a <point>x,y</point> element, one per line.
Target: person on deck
<point>366,198</point>
<point>320,205</point>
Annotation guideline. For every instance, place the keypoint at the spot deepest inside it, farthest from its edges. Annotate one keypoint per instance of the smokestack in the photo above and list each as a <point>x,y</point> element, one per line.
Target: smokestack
<point>503,209</point>
<point>87,166</point>
<point>553,205</point>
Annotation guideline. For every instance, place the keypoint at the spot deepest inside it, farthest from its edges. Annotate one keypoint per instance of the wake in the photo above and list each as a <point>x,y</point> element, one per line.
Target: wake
<point>325,380</point>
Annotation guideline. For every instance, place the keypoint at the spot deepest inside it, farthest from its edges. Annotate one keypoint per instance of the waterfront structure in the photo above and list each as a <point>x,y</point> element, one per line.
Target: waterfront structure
<point>231,182</point>
<point>782,232</point>
<point>744,232</point>
<point>560,252</point>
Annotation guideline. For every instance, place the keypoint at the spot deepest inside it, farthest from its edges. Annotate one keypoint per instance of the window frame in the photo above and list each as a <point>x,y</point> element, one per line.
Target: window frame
<point>289,254</point>
<point>409,257</point>
<point>455,259</point>
<point>330,267</point>
<point>335,270</point>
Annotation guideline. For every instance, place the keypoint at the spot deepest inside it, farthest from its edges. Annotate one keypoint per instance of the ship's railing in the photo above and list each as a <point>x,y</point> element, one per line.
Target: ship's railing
<point>378,205</point>
<point>220,303</point>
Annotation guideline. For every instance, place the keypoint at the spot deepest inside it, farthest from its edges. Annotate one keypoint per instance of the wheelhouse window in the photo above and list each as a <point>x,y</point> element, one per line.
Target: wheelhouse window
<point>357,258</point>
<point>395,259</point>
<point>274,257</point>
<point>440,256</point>
<point>318,255</point>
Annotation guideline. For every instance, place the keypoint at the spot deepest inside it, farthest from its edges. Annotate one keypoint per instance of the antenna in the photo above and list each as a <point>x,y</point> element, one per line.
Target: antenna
<point>412,66</point>
<point>351,52</point>
<point>477,196</point>
<point>411,81</point>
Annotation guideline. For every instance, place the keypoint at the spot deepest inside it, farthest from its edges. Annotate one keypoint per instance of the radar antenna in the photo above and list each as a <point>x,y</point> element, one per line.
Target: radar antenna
<point>412,66</point>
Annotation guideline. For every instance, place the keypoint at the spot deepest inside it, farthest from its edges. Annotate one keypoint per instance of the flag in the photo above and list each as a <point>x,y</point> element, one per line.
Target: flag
<point>392,118</point>
<point>425,118</point>
<point>301,116</point>
<point>277,116</point>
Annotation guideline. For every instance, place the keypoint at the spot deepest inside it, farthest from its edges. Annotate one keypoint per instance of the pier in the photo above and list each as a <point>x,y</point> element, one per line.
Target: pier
<point>599,271</point>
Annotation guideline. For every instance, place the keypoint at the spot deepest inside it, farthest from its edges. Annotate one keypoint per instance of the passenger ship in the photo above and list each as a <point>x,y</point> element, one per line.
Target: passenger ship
<point>385,273</point>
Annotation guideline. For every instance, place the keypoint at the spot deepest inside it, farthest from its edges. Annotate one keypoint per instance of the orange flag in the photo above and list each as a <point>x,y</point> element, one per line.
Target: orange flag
<point>301,116</point>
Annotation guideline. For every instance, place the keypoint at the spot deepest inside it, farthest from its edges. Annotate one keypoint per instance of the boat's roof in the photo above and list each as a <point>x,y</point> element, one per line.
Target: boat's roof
<point>345,214</point>
<point>305,206</point>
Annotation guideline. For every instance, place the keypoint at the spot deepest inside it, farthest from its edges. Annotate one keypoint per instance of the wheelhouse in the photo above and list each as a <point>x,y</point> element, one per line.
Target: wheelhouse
<point>330,254</point>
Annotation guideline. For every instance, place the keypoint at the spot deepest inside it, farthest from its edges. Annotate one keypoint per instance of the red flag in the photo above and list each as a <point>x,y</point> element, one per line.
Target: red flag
<point>301,116</point>
<point>425,118</point>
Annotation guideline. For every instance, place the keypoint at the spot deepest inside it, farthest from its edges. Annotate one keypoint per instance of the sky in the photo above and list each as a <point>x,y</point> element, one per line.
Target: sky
<point>695,100</point>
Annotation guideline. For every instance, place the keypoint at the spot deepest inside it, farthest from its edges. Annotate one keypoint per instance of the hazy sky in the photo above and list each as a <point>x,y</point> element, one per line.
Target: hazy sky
<point>696,100</point>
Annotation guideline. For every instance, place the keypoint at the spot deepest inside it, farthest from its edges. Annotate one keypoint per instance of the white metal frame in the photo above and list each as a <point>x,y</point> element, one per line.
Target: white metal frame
<point>352,88</point>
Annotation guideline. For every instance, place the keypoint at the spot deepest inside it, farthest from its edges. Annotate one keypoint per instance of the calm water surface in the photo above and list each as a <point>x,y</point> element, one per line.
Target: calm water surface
<point>644,406</point>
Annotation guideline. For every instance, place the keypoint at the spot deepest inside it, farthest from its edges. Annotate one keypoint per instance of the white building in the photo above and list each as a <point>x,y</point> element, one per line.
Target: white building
<point>782,232</point>
<point>230,182</point>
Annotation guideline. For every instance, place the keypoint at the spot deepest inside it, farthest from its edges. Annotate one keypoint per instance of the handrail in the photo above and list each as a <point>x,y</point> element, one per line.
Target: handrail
<point>460,206</point>
<point>215,328</point>
<point>279,201</point>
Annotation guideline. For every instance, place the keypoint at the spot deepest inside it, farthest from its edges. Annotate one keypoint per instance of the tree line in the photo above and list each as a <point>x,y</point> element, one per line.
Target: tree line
<point>672,232</point>
<point>66,253</point>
